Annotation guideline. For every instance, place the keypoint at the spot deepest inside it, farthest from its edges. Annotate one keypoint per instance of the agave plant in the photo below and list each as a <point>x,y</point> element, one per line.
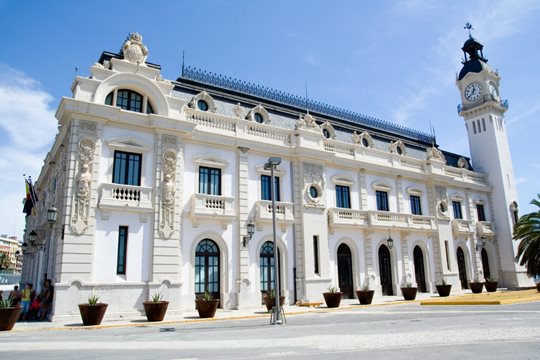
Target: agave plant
<point>332,289</point>
<point>527,231</point>
<point>207,296</point>
<point>93,299</point>
<point>157,297</point>
<point>6,303</point>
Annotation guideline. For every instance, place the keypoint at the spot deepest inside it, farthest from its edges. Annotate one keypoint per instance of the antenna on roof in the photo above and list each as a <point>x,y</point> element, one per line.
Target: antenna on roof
<point>307,107</point>
<point>183,55</point>
<point>76,71</point>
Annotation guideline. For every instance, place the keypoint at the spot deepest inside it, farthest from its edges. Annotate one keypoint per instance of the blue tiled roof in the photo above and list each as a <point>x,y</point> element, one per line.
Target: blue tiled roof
<point>229,83</point>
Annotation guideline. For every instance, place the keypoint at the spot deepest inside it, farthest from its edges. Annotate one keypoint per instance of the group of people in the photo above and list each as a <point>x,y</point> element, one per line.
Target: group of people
<point>34,306</point>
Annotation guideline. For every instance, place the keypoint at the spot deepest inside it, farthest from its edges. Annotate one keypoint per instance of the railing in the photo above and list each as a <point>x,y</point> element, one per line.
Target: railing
<point>350,217</point>
<point>212,120</point>
<point>461,226</point>
<point>485,228</point>
<point>269,132</point>
<point>284,211</point>
<point>212,206</point>
<point>482,100</point>
<point>339,147</point>
<point>126,197</point>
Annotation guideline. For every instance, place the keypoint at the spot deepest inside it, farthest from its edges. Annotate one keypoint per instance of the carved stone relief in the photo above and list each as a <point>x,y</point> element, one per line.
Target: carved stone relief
<point>307,122</point>
<point>435,154</point>
<point>442,203</point>
<point>314,185</point>
<point>166,227</point>
<point>79,220</point>
<point>462,163</point>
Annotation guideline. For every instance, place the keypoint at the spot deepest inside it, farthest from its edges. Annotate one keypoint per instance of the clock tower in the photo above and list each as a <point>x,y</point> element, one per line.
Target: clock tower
<point>483,111</point>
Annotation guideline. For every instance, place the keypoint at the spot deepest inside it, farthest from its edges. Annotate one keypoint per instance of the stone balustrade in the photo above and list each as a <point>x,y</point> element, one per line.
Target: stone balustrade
<point>125,197</point>
<point>383,219</point>
<point>214,207</point>
<point>284,212</point>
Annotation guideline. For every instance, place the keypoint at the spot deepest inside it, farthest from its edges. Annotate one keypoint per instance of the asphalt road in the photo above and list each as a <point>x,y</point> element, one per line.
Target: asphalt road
<point>400,332</point>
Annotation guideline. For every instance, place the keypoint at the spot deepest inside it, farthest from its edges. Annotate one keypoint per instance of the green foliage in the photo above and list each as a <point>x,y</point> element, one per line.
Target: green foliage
<point>6,303</point>
<point>527,231</point>
<point>157,297</point>
<point>93,300</point>
<point>332,289</point>
<point>365,285</point>
<point>207,296</point>
<point>491,279</point>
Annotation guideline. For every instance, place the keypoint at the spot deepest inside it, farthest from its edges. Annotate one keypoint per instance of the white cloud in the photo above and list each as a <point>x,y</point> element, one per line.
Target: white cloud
<point>521,180</point>
<point>27,127</point>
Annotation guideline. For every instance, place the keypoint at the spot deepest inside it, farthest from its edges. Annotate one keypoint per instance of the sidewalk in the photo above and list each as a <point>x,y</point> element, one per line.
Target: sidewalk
<point>457,298</point>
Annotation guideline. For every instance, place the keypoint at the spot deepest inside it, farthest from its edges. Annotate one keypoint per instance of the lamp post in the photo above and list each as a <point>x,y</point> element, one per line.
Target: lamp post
<point>250,231</point>
<point>390,241</point>
<point>271,165</point>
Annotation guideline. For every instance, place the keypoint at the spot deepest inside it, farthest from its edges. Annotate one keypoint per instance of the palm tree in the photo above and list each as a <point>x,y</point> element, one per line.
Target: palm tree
<point>527,229</point>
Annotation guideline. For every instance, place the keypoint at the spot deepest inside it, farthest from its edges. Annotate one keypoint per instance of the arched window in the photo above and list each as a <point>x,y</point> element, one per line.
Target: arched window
<point>207,268</point>
<point>267,267</point>
<point>129,100</point>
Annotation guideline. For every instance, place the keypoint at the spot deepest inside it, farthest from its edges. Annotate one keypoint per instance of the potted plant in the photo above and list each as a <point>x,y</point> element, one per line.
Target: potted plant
<point>270,300</point>
<point>443,288</point>
<point>206,305</point>
<point>9,314</point>
<point>156,308</point>
<point>491,284</point>
<point>332,297</point>
<point>93,311</point>
<point>408,291</point>
<point>476,285</point>
<point>365,295</point>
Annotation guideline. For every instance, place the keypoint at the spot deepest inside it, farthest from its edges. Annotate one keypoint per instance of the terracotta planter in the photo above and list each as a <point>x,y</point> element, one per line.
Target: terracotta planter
<point>270,302</point>
<point>365,296</point>
<point>92,314</point>
<point>476,287</point>
<point>444,290</point>
<point>332,299</point>
<point>207,308</point>
<point>8,317</point>
<point>491,286</point>
<point>409,293</point>
<point>155,311</point>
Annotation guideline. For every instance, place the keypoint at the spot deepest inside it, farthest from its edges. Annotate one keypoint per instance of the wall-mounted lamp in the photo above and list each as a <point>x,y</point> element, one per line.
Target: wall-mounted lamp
<point>390,241</point>
<point>250,230</point>
<point>481,243</point>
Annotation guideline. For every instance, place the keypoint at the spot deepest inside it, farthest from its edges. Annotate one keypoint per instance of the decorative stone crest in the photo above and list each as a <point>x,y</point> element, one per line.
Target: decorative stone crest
<point>134,50</point>
<point>442,203</point>
<point>166,227</point>
<point>79,220</point>
<point>356,138</point>
<point>435,154</point>
<point>307,122</point>
<point>397,147</point>
<point>462,163</point>
<point>238,111</point>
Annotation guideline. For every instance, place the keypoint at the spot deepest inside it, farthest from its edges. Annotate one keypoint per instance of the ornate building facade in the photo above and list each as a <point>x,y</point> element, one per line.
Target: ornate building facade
<point>156,181</point>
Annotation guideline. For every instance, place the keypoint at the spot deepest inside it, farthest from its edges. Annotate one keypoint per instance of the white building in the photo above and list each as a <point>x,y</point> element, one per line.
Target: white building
<point>156,180</point>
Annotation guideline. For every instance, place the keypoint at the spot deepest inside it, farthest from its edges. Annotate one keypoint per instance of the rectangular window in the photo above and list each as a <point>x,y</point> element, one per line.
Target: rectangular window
<point>447,255</point>
<point>480,212</point>
<point>316,254</point>
<point>484,124</point>
<point>127,168</point>
<point>343,197</point>
<point>265,188</point>
<point>456,205</point>
<point>122,250</point>
<point>416,208</point>
<point>209,181</point>
<point>474,126</point>
<point>382,200</point>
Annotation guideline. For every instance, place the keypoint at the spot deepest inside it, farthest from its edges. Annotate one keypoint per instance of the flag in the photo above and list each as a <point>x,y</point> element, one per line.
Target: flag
<point>31,197</point>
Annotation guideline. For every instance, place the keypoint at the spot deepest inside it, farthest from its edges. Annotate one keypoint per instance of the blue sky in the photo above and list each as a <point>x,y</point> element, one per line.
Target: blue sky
<point>394,60</point>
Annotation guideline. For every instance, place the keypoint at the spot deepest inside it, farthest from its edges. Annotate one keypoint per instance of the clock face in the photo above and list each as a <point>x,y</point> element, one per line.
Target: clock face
<point>473,91</point>
<point>493,90</point>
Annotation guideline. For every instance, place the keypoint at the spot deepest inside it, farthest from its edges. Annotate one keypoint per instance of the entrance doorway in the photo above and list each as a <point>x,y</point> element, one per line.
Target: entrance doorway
<point>385,270</point>
<point>462,268</point>
<point>345,274</point>
<point>419,269</point>
<point>207,269</point>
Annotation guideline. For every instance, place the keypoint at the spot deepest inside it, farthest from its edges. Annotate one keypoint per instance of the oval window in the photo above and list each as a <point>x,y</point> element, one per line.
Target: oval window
<point>313,192</point>
<point>326,133</point>
<point>399,150</point>
<point>202,105</point>
<point>365,142</point>
<point>258,118</point>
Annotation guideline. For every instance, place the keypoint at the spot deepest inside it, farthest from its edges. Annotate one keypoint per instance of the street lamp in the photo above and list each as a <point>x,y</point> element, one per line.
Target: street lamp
<point>481,243</point>
<point>52,214</point>
<point>250,231</point>
<point>32,237</point>
<point>271,165</point>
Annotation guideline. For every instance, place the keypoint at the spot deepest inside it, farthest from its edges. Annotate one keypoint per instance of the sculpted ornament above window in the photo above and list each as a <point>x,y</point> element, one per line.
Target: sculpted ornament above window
<point>134,50</point>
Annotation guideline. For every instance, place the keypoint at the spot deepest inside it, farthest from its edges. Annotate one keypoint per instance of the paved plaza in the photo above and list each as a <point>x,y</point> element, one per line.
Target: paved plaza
<point>396,329</point>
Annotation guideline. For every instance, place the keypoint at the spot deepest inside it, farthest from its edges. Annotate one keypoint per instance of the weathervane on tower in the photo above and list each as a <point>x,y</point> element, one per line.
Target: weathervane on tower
<point>469,27</point>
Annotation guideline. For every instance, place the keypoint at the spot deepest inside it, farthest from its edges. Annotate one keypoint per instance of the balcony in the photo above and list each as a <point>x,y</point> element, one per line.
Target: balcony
<point>284,213</point>
<point>125,197</point>
<point>484,228</point>
<point>383,219</point>
<point>212,207</point>
<point>462,227</point>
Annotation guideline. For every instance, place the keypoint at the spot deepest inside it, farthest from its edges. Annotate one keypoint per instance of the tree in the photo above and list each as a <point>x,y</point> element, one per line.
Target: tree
<point>527,230</point>
<point>4,262</point>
